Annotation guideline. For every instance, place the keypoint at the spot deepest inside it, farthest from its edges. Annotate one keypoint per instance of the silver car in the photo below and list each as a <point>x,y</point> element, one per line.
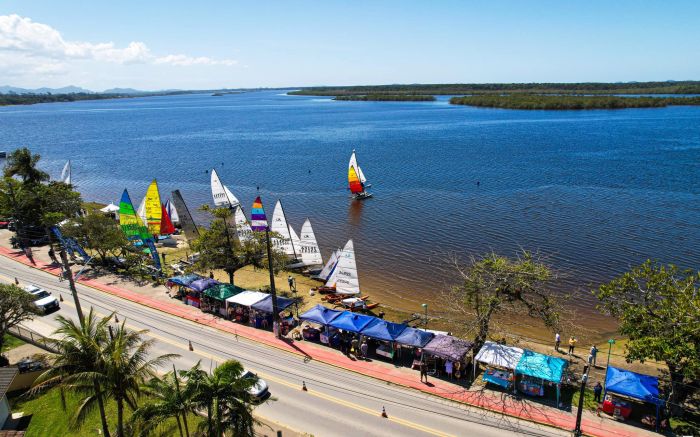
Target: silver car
<point>43,300</point>
<point>259,390</point>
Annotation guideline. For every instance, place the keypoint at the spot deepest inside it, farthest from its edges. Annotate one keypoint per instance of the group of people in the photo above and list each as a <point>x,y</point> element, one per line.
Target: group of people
<point>593,352</point>
<point>350,344</point>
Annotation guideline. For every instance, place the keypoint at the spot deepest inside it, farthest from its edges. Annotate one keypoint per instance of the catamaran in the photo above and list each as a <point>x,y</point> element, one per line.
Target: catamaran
<point>343,279</point>
<point>150,210</point>
<point>172,212</point>
<point>356,180</point>
<point>243,229</point>
<point>328,267</point>
<point>289,241</point>
<point>222,195</point>
<point>66,176</point>
<point>310,252</point>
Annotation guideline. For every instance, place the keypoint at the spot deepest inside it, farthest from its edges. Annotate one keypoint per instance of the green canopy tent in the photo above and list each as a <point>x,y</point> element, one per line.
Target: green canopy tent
<point>218,294</point>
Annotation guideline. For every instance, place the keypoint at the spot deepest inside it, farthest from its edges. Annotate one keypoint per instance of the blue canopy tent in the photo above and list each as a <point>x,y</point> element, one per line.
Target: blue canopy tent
<point>320,314</point>
<point>265,305</point>
<point>634,385</point>
<point>202,284</point>
<point>382,330</point>
<point>184,280</point>
<point>352,322</point>
<point>544,367</point>
<point>414,337</point>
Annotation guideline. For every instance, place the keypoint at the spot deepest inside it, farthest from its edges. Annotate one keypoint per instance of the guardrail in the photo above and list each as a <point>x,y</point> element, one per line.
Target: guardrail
<point>31,337</point>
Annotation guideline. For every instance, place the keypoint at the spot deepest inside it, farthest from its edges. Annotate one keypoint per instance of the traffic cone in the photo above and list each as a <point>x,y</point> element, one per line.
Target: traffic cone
<point>303,386</point>
<point>191,348</point>
<point>60,297</point>
<point>384,413</point>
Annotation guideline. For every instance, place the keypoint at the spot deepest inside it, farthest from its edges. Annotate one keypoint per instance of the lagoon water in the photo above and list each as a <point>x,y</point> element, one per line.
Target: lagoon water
<point>592,191</point>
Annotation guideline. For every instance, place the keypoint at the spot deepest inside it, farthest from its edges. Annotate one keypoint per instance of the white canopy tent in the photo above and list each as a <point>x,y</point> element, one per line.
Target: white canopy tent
<point>498,355</point>
<point>110,208</point>
<point>246,298</point>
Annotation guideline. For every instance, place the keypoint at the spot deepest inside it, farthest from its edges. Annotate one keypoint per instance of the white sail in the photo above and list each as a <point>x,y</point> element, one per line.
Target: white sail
<point>172,212</point>
<point>344,277</point>
<point>66,173</point>
<point>328,267</point>
<point>363,179</point>
<point>310,253</point>
<point>222,195</point>
<point>142,211</point>
<point>242,226</point>
<point>285,243</point>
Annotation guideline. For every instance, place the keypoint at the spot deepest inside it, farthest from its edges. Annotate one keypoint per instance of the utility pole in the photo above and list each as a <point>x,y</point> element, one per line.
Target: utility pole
<point>579,412</point>
<point>71,284</point>
<point>273,292</point>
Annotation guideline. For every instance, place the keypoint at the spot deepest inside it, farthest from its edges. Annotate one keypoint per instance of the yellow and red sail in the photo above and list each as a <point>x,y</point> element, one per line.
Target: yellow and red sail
<point>354,181</point>
<point>154,211</point>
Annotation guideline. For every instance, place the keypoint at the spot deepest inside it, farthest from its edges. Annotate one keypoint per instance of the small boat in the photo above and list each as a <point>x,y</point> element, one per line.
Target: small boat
<point>220,192</point>
<point>288,240</point>
<point>343,279</point>
<point>328,268</point>
<point>66,175</point>
<point>151,210</point>
<point>356,304</point>
<point>243,229</point>
<point>356,180</point>
<point>3,154</point>
<point>308,246</point>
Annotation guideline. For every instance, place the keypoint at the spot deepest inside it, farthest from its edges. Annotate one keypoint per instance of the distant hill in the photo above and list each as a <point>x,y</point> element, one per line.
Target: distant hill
<point>44,90</point>
<point>124,91</point>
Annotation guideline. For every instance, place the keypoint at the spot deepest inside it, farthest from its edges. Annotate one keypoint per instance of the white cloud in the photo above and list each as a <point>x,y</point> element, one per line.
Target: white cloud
<point>27,38</point>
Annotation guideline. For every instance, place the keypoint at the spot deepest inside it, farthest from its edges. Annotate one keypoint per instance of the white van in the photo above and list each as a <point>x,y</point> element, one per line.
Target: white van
<point>43,300</point>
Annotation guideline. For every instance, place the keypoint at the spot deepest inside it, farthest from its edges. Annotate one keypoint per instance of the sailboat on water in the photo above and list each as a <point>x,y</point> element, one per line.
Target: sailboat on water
<point>357,181</point>
<point>310,252</point>
<point>66,176</point>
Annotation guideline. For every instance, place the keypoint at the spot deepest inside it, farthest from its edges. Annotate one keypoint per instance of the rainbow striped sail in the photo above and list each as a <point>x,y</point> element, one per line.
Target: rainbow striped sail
<point>258,219</point>
<point>355,183</point>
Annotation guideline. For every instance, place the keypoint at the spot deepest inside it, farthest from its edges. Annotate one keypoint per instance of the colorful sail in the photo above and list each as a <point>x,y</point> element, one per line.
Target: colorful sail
<point>166,225</point>
<point>66,174</point>
<point>172,212</point>
<point>242,226</point>
<point>285,241</point>
<point>153,208</point>
<point>328,268</point>
<point>310,253</point>
<point>354,181</point>
<point>130,223</point>
<point>222,195</point>
<point>258,217</point>
<point>344,277</point>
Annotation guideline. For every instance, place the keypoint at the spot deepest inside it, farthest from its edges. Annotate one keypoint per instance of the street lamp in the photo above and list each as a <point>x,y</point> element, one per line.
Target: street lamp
<point>611,342</point>
<point>425,307</point>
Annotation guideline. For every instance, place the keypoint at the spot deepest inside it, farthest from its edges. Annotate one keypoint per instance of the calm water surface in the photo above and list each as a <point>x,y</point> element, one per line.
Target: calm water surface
<point>592,191</point>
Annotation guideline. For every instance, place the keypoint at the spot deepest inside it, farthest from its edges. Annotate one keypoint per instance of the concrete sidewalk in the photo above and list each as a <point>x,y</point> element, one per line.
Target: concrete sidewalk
<point>485,399</point>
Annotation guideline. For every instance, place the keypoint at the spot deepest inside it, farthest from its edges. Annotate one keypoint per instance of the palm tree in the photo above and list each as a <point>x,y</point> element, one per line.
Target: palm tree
<point>22,163</point>
<point>170,402</point>
<point>78,366</point>
<point>225,396</point>
<point>127,368</point>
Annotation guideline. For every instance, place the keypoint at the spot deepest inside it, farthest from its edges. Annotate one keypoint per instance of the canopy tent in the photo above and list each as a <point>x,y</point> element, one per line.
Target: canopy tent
<point>351,322</point>
<point>382,330</point>
<point>499,355</point>
<point>110,208</point>
<point>222,291</point>
<point>265,304</point>
<point>202,284</point>
<point>635,385</point>
<point>448,347</point>
<point>184,280</point>
<point>543,367</point>
<point>414,337</point>
<point>320,314</point>
<point>246,298</point>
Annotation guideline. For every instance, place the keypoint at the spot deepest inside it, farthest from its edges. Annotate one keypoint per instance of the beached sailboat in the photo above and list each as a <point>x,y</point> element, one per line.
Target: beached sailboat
<point>243,229</point>
<point>310,252</point>
<point>328,267</point>
<point>357,180</point>
<point>220,192</point>
<point>66,176</point>
<point>166,225</point>
<point>343,279</point>
<point>130,222</point>
<point>289,242</point>
<point>153,208</point>
<point>172,212</point>
<point>258,219</point>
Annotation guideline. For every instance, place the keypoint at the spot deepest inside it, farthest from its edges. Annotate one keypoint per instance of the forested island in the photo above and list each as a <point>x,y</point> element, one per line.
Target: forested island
<point>387,98</point>
<point>669,87</point>
<point>539,101</point>
<point>30,99</point>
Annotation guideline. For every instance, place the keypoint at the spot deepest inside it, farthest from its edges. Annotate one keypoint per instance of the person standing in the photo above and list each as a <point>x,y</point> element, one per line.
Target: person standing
<point>597,391</point>
<point>423,371</point>
<point>557,341</point>
<point>355,346</point>
<point>592,356</point>
<point>572,344</point>
<point>52,255</point>
<point>363,349</point>
<point>449,368</point>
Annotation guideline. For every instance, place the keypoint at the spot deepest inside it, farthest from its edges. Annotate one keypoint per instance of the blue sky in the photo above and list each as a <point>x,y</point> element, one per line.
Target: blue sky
<point>210,44</point>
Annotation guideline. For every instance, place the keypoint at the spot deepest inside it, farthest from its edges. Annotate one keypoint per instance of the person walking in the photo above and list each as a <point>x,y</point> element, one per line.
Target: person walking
<point>449,368</point>
<point>290,281</point>
<point>597,391</point>
<point>355,346</point>
<point>572,344</point>
<point>52,255</point>
<point>557,341</point>
<point>423,371</point>
<point>363,349</point>
<point>592,355</point>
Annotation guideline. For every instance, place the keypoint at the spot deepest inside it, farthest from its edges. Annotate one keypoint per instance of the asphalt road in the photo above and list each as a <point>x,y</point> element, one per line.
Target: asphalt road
<point>337,403</point>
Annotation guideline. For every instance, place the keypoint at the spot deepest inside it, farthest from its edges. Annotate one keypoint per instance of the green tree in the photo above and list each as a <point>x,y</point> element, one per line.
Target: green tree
<point>16,306</point>
<point>225,396</point>
<point>220,248</point>
<point>127,367</point>
<point>99,233</point>
<point>171,400</point>
<point>79,366</point>
<point>658,308</point>
<point>23,163</point>
<point>496,286</point>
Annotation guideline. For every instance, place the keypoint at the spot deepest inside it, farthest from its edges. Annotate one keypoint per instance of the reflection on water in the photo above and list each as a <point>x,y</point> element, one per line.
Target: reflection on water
<point>355,214</point>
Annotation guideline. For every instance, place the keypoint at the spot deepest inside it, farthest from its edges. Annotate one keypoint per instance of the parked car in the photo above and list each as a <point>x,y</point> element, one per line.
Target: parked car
<point>259,390</point>
<point>44,300</point>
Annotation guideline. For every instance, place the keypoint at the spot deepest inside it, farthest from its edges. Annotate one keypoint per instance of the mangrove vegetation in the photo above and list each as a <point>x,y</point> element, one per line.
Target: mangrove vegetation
<point>539,101</point>
<point>387,98</point>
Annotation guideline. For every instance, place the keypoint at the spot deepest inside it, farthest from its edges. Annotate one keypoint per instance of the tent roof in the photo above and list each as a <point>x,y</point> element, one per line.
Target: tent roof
<point>184,279</point>
<point>632,384</point>
<point>266,304</point>
<point>320,314</point>
<point>247,298</point>
<point>223,291</point>
<point>202,284</point>
<point>541,366</point>
<point>383,330</point>
<point>351,322</point>
<point>499,355</point>
<point>448,347</point>
<point>110,208</point>
<point>414,337</point>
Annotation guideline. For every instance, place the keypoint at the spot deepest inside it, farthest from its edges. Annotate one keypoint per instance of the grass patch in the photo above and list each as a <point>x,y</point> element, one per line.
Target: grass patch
<point>11,342</point>
<point>49,418</point>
